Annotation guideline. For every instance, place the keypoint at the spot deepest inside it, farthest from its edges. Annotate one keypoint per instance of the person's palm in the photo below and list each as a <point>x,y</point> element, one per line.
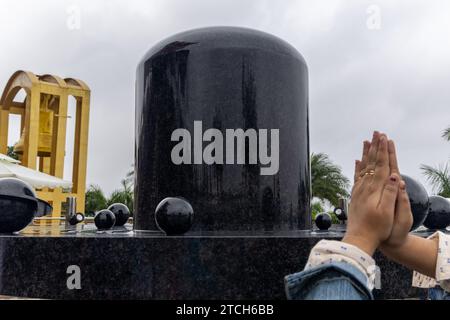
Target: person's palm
<point>403,221</point>
<point>372,206</point>
<point>403,218</point>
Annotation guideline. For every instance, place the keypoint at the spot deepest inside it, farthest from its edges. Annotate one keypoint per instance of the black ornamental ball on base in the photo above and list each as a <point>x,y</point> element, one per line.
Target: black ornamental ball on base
<point>439,214</point>
<point>222,120</point>
<point>174,216</point>
<point>121,212</point>
<point>418,199</point>
<point>323,221</point>
<point>104,219</point>
<point>340,214</point>
<point>18,205</point>
<point>76,219</point>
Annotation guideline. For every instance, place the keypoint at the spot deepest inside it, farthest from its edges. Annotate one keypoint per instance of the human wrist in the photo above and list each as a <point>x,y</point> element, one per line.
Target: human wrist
<point>393,249</point>
<point>364,243</point>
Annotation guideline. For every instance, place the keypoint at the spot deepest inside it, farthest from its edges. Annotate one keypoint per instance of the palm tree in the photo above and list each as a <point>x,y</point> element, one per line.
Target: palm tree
<point>129,178</point>
<point>124,195</point>
<point>446,134</point>
<point>95,200</point>
<point>328,181</point>
<point>439,178</point>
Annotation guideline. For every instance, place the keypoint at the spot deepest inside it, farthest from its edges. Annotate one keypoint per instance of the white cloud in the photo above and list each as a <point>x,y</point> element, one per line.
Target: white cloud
<point>394,79</point>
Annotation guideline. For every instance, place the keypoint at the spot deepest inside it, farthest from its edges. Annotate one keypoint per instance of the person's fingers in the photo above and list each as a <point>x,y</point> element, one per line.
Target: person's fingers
<point>403,206</point>
<point>382,170</point>
<point>367,174</point>
<point>393,164</point>
<point>365,155</point>
<point>357,170</point>
<point>389,195</point>
<point>372,153</point>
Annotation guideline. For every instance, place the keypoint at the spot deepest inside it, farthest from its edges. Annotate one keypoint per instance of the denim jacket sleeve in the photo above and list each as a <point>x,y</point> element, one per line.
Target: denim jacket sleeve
<point>331,281</point>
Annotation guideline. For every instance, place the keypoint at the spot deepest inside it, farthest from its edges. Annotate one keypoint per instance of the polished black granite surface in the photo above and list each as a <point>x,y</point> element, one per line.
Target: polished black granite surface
<point>122,264</point>
<point>192,90</point>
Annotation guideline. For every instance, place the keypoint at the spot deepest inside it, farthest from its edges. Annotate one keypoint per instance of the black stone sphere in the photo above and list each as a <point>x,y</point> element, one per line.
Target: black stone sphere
<point>44,208</point>
<point>18,205</point>
<point>174,216</point>
<point>323,221</point>
<point>222,120</point>
<point>418,199</point>
<point>104,219</point>
<point>439,213</point>
<point>121,212</point>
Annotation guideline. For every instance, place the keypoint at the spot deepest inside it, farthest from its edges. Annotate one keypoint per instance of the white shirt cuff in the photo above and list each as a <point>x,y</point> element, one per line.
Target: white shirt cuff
<point>442,277</point>
<point>327,251</point>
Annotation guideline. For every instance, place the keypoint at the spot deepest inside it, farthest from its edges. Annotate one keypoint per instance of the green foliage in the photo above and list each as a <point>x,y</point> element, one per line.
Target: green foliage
<point>316,208</point>
<point>334,217</point>
<point>95,200</point>
<point>439,178</point>
<point>10,153</point>
<point>328,181</point>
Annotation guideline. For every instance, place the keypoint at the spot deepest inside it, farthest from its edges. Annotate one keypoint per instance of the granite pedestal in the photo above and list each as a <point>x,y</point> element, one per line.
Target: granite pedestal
<point>122,264</point>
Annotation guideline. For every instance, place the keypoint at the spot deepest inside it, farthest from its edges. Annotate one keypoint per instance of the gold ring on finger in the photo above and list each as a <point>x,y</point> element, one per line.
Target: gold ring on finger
<point>370,173</point>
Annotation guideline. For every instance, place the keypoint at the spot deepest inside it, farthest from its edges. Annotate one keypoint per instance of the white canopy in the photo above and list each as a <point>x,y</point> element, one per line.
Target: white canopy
<point>8,159</point>
<point>10,167</point>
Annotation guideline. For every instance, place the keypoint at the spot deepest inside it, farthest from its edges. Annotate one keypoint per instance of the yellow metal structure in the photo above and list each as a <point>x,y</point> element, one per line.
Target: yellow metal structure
<point>45,129</point>
<point>44,116</point>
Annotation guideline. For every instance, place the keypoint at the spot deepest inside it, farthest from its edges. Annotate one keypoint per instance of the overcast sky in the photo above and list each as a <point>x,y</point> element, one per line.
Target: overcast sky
<point>372,65</point>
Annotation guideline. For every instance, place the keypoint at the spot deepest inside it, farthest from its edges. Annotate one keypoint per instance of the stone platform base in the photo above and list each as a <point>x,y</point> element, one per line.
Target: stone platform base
<point>122,264</point>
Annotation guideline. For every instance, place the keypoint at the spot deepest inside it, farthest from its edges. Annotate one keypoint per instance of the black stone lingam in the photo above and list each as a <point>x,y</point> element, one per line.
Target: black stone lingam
<point>418,199</point>
<point>439,214</point>
<point>222,120</point>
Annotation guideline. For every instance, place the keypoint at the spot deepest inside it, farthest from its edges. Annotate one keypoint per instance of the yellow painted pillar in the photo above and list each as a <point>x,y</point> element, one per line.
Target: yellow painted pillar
<point>59,137</point>
<point>56,203</point>
<point>81,149</point>
<point>41,194</point>
<point>4,127</point>
<point>56,160</point>
<point>32,122</point>
<point>22,121</point>
<point>44,164</point>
